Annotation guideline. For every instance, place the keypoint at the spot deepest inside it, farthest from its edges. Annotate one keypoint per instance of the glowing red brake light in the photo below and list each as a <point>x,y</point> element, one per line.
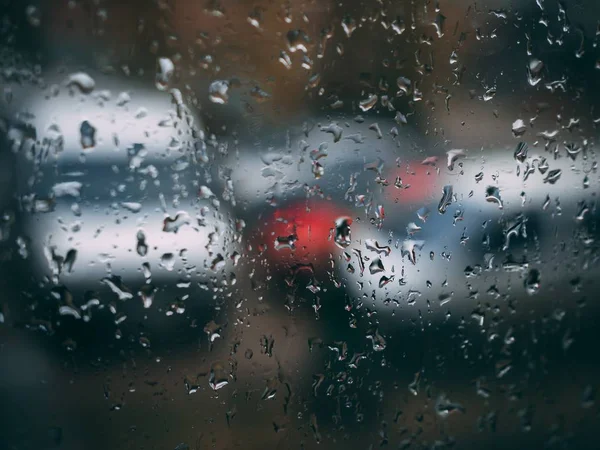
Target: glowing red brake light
<point>302,231</point>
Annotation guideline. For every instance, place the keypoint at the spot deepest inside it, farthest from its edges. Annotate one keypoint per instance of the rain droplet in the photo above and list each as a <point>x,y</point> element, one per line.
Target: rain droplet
<point>534,71</point>
<point>553,176</point>
<point>218,377</point>
<point>404,86</point>
<point>34,17</point>
<point>218,263</point>
<point>423,213</point>
<point>515,228</point>
<point>297,40</point>
<point>123,99</point>
<point>342,232</point>
<point>348,25</point>
<point>413,228</point>
<point>70,258</point>
<point>83,81</point>
<point>133,207</point>
<point>368,103</point>
<point>444,407</point>
<point>376,266</point>
<point>519,128</point>
<point>446,199</point>
<point>374,246</point>
<point>335,130</point>
<point>172,225</point>
<point>410,247</point>
<point>492,195</point>
<point>87,134</point>
<point>115,283</point>
<point>67,188</point>
<point>453,156</point>
<point>285,59</point>
<point>218,92</point>
<point>532,281</point>
<point>521,152</point>
<point>286,242</point>
<point>167,261</point>
<point>141,247</point>
<point>164,72</point>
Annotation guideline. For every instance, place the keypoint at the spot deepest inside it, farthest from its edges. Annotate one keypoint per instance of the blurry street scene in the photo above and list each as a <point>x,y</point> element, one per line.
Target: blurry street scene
<point>297,225</point>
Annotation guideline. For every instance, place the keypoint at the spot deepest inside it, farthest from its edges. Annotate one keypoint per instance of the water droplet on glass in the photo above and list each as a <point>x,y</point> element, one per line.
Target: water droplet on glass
<point>164,72</point>
<point>553,176</point>
<point>521,152</point>
<point>172,224</point>
<point>532,281</point>
<point>534,71</point>
<point>82,81</point>
<point>342,236</point>
<point>514,228</point>
<point>67,188</point>
<point>285,59</point>
<point>70,259</point>
<point>141,247</point>
<point>492,195</point>
<point>413,228</point>
<point>218,263</point>
<point>116,285</point>
<point>409,249</point>
<point>218,377</point>
<point>376,266</point>
<point>453,156</point>
<point>348,25</point>
<point>398,26</point>
<point>167,261</point>
<point>404,86</point>
<point>444,407</point>
<point>218,92</point>
<point>123,98</point>
<point>87,135</point>
<point>423,213</point>
<point>335,130</point>
<point>133,207</point>
<point>368,103</point>
<point>34,16</point>
<point>446,200</point>
<point>297,40</point>
<point>146,292</point>
<point>519,128</point>
<point>286,242</point>
<point>374,246</point>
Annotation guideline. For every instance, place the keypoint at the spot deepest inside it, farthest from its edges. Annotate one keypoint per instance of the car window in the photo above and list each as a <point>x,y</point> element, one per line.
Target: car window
<point>274,224</point>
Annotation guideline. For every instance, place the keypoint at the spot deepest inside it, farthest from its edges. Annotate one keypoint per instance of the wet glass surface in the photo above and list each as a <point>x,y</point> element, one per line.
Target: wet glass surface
<point>275,224</point>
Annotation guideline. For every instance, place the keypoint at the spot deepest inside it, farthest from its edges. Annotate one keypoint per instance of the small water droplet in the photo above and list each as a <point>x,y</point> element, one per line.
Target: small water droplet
<point>519,128</point>
<point>83,81</point>
<point>368,103</point>
<point>492,195</point>
<point>532,281</point>
<point>446,200</point>
<point>87,135</point>
<point>164,72</point>
<point>218,92</point>
<point>376,266</point>
<point>343,236</point>
<point>521,152</point>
